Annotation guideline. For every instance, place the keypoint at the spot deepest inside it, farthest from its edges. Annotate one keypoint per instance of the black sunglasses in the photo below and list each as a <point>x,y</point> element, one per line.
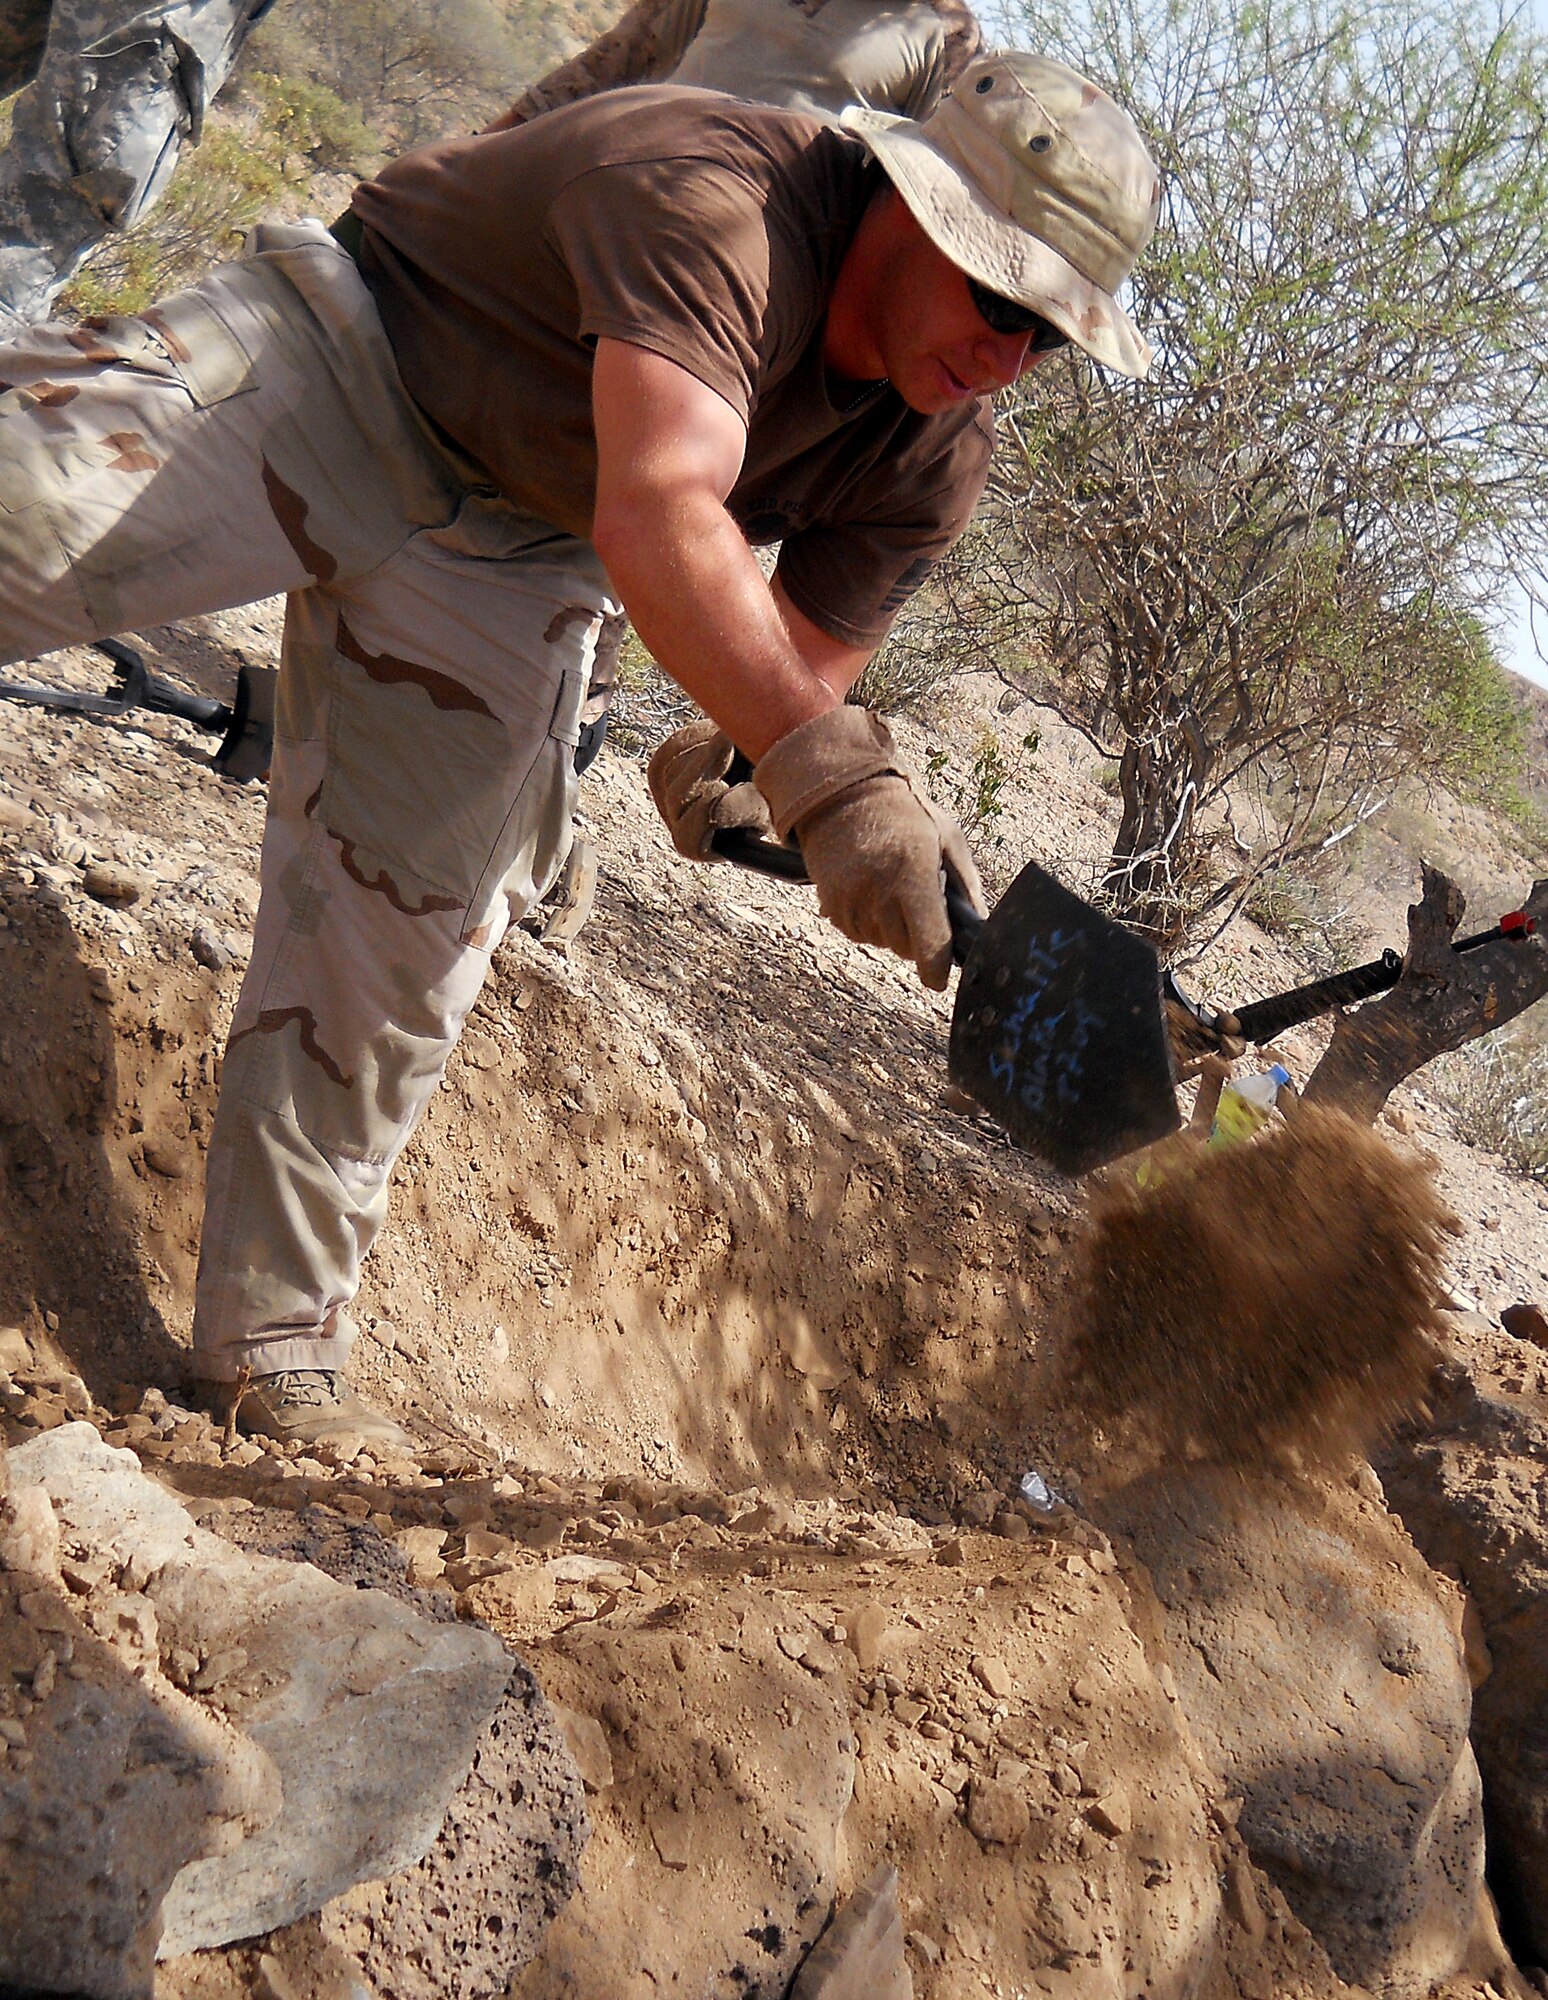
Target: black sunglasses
<point>1004,315</point>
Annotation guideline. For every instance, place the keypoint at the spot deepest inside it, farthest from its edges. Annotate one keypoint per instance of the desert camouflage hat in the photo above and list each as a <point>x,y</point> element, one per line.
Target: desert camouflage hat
<point>1034,182</point>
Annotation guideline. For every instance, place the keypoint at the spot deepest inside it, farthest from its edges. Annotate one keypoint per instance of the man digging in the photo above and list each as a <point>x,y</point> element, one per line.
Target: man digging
<point>540,375</point>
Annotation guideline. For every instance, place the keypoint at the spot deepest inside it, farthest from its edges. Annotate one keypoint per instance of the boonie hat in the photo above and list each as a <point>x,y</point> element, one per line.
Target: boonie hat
<point>1033,181</point>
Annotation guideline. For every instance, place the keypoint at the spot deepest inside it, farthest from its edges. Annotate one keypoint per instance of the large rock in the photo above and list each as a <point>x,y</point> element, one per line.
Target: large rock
<point>1471,1491</point>
<point>370,1713</point>
<point>111,1779</point>
<point>1320,1668</point>
<point>477,1907</point>
<point>860,1955</point>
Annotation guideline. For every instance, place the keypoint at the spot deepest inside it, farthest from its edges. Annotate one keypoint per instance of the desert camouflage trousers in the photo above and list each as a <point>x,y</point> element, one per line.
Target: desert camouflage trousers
<point>248,437</point>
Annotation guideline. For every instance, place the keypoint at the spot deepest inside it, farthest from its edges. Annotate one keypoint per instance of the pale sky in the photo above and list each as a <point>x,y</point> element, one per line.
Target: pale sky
<point>1519,649</point>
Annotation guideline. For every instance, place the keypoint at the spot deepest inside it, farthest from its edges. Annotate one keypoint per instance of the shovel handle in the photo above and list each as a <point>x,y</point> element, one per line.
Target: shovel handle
<point>1261,1020</point>
<point>772,857</point>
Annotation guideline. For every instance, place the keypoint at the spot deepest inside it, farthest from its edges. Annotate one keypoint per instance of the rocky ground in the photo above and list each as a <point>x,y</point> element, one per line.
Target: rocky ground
<point>726,1336</point>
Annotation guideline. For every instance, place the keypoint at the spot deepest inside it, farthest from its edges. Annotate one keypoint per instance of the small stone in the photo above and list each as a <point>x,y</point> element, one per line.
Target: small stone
<point>166,1158</point>
<point>43,1676</point>
<point>1111,1814</point>
<point>525,1595</point>
<point>1526,1322</point>
<point>920,1943</point>
<point>596,1571</point>
<point>466,1509</point>
<point>1066,1781</point>
<point>463,1573</point>
<point>979,1509</point>
<point>909,1710</point>
<point>423,1548</point>
<point>952,1554</point>
<point>866,1631</point>
<point>272,1981</point>
<point>353,1506</point>
<point>1012,1527</point>
<point>993,1676</point>
<point>486,1543</point>
<point>672,1832</point>
<point>588,1744</point>
<point>997,1814</point>
<point>544,1531</point>
<point>109,883</point>
<point>210,948</point>
<point>218,1669</point>
<point>29,1533</point>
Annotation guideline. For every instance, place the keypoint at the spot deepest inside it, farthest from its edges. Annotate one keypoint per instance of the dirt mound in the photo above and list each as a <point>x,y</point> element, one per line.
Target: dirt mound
<point>727,1340</point>
<point>1261,1299</point>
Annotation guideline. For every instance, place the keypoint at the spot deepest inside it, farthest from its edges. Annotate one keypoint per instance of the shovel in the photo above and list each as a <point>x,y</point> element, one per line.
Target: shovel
<point>1058,1030</point>
<point>1063,1025</point>
<point>245,726</point>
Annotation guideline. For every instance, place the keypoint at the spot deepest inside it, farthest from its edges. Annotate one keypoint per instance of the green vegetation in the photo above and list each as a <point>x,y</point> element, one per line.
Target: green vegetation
<point>1497,1088</point>
<point>1267,570</point>
<point>259,154</point>
<point>323,87</point>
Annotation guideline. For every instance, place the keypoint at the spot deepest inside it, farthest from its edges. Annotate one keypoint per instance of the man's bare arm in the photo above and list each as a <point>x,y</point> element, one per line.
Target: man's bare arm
<point>668,454</point>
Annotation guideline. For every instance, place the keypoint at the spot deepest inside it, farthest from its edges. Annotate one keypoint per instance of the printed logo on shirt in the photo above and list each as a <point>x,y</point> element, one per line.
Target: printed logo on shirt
<point>908,583</point>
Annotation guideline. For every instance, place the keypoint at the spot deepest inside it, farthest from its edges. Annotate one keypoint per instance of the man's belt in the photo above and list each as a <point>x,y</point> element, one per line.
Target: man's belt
<point>349,230</point>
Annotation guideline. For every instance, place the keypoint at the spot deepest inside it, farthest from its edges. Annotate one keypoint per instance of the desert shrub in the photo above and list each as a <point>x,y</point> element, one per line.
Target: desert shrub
<point>979,797</point>
<point>308,119</point>
<point>415,69</point>
<point>1497,1089</point>
<point>257,153</point>
<point>1299,906</point>
<point>914,664</point>
<point>648,704</point>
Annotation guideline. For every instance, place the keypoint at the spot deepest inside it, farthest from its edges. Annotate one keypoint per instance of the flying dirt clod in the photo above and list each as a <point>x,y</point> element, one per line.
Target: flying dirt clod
<point>1263,1302</point>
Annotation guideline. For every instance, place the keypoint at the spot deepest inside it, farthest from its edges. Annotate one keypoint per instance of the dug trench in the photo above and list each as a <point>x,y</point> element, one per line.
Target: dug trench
<point>727,1339</point>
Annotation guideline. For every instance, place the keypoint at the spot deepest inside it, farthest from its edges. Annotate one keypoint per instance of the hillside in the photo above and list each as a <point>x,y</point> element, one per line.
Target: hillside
<point>726,1335</point>
<point>756,1617</point>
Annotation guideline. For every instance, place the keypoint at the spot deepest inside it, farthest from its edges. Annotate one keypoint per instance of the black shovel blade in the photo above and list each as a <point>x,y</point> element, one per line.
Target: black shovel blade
<point>1059,1032</point>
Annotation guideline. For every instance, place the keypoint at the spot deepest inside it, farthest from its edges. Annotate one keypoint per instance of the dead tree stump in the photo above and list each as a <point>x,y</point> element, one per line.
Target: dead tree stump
<point>1443,999</point>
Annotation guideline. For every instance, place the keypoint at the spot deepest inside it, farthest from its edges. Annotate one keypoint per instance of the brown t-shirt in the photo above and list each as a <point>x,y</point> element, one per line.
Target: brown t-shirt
<point>701,229</point>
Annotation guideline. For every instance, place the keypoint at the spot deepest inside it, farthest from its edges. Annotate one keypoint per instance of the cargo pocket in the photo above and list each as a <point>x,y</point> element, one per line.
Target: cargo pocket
<point>535,838</point>
<point>432,795</point>
<point>210,361</point>
<point>98,397</point>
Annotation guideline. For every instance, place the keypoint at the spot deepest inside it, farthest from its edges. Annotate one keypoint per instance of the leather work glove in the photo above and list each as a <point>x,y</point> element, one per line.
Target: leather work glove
<point>873,846</point>
<point>687,776</point>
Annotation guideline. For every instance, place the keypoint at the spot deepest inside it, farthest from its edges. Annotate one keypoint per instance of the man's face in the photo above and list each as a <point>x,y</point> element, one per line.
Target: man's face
<point>936,348</point>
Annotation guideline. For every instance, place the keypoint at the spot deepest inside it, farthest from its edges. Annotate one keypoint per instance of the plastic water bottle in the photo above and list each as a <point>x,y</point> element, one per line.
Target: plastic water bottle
<point>1037,1493</point>
<point>1246,1105</point>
